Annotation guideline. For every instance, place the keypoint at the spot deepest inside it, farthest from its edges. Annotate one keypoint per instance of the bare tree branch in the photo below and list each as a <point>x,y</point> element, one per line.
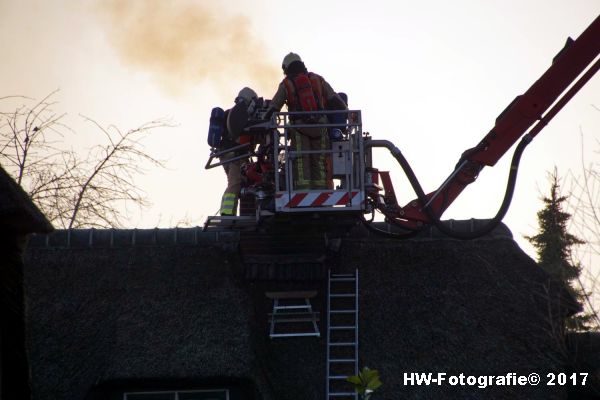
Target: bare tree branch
<point>584,206</point>
<point>110,179</point>
<point>74,191</point>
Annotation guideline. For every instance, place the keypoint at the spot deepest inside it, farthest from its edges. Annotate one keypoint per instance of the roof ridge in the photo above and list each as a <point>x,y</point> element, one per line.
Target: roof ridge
<point>128,237</point>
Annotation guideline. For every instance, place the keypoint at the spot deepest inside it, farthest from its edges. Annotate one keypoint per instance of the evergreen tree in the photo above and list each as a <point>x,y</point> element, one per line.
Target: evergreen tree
<point>554,245</point>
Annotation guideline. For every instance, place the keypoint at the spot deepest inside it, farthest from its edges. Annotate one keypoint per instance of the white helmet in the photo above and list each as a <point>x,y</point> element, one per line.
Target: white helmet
<point>247,95</point>
<point>288,59</point>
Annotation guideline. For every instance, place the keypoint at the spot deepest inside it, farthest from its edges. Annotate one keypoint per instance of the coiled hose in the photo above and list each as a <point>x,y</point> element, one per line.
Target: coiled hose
<point>488,227</point>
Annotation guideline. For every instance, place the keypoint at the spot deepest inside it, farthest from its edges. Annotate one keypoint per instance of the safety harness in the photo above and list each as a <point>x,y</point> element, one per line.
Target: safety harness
<point>305,92</point>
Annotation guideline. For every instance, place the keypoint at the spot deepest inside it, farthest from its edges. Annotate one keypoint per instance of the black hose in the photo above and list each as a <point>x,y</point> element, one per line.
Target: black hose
<point>494,222</point>
<point>404,235</point>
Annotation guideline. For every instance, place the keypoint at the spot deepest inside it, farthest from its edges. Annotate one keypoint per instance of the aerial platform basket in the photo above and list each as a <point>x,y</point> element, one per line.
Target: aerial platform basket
<point>275,197</point>
<point>345,163</point>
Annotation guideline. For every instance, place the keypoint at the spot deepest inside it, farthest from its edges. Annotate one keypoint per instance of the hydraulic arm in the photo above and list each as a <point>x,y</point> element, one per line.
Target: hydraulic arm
<point>524,118</point>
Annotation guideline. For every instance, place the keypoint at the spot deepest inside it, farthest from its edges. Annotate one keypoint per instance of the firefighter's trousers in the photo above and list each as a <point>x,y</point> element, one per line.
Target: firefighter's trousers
<point>229,201</point>
<point>309,170</point>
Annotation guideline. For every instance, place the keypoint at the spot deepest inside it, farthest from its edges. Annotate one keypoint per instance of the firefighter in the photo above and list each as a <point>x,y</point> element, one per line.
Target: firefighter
<point>235,121</point>
<point>306,91</point>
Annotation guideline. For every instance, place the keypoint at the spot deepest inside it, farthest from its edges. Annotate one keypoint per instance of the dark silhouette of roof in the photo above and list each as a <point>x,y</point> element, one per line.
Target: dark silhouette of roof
<point>17,212</point>
<point>174,305</point>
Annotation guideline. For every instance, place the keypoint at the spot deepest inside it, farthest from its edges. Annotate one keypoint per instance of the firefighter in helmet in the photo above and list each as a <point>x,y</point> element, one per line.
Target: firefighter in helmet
<point>236,119</point>
<point>306,91</point>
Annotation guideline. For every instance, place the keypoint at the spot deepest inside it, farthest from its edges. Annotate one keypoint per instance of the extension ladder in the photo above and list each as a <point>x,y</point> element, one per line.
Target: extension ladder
<point>342,335</point>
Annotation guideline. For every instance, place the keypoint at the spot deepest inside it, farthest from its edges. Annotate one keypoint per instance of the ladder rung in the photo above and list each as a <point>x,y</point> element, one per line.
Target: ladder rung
<point>339,376</point>
<point>279,320</point>
<point>298,307</point>
<point>342,311</point>
<point>342,327</point>
<point>293,313</point>
<point>343,279</point>
<point>342,275</point>
<point>342,344</point>
<point>342,360</point>
<point>298,334</point>
<point>342,295</point>
<point>340,394</point>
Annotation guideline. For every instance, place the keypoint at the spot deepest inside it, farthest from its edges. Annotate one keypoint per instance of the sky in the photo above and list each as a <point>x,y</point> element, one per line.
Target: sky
<point>431,76</point>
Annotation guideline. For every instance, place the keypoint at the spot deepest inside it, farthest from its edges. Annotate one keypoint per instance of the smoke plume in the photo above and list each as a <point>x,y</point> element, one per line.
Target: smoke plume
<point>182,43</point>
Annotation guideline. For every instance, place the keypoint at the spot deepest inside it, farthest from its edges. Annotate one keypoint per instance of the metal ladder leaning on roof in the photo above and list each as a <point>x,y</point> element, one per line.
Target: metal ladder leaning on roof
<point>342,335</point>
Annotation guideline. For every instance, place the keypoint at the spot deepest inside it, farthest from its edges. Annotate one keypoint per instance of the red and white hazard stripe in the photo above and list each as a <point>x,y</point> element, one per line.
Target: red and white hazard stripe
<point>327,198</point>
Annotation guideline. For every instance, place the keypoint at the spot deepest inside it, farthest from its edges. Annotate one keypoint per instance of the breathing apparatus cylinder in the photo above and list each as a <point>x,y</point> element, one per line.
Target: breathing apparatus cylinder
<point>216,127</point>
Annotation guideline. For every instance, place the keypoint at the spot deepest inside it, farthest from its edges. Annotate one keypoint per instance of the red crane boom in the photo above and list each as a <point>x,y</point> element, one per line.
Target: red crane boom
<point>527,114</point>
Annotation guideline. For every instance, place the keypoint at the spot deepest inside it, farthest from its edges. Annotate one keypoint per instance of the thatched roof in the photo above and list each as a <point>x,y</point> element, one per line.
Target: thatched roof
<point>110,314</point>
<point>17,212</point>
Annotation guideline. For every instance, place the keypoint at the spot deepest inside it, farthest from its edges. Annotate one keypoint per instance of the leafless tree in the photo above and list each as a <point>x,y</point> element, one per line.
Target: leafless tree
<point>109,177</point>
<point>30,136</point>
<point>585,193</point>
<point>73,191</point>
<point>584,206</point>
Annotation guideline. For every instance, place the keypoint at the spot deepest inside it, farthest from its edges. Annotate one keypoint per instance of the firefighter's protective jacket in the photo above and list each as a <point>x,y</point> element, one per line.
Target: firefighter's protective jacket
<point>281,96</point>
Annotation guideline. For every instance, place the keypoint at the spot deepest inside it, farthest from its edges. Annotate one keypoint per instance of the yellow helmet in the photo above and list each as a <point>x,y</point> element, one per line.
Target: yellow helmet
<point>288,59</point>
